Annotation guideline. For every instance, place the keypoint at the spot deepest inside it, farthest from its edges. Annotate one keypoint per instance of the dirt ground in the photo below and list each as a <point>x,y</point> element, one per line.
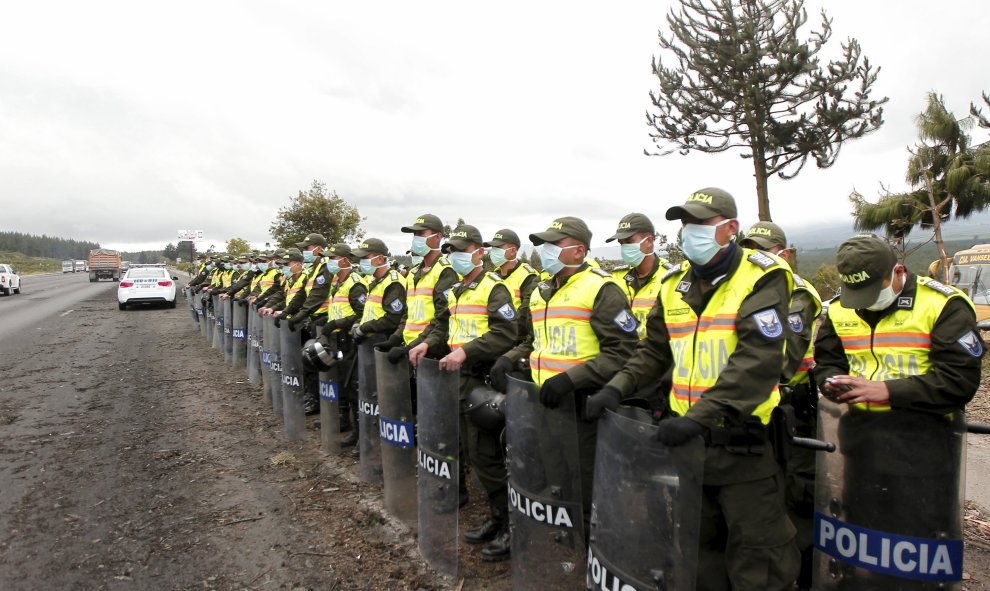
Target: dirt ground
<point>133,458</point>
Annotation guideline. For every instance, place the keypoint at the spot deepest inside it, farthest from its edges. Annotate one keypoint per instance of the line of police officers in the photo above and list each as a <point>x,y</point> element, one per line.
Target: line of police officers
<point>712,345</point>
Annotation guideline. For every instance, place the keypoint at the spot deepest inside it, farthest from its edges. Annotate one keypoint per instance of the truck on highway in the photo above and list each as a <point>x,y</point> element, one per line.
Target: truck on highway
<point>80,266</point>
<point>68,266</point>
<point>104,264</point>
<point>970,272</point>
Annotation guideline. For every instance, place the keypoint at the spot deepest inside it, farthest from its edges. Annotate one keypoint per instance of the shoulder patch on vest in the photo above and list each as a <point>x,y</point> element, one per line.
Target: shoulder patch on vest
<point>972,343</point>
<point>939,287</point>
<point>321,279</point>
<point>600,272</point>
<point>442,261</point>
<point>798,282</point>
<point>494,277</point>
<point>362,297</point>
<point>761,260</point>
<point>795,322</point>
<point>528,267</point>
<point>625,321</point>
<point>396,305</point>
<point>677,269</point>
<point>769,323</point>
<point>506,311</point>
<point>394,275</point>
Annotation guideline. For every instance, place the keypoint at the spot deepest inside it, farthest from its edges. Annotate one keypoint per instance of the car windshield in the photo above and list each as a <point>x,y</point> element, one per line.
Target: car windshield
<point>145,273</point>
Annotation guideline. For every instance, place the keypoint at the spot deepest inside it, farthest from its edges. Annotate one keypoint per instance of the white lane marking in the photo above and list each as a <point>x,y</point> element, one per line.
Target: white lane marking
<point>66,313</point>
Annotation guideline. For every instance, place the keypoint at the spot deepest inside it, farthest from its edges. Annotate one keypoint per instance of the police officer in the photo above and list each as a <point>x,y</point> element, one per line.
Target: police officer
<point>521,279</point>
<point>904,353</point>
<point>242,278</point>
<point>797,391</point>
<point>385,305</point>
<point>478,324</point>
<point>583,300</point>
<point>202,272</point>
<point>314,306</point>
<point>719,323</point>
<point>293,282</point>
<point>272,284</point>
<point>348,294</point>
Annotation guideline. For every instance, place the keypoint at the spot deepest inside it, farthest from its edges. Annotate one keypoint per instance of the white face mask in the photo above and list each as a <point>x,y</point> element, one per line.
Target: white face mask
<point>887,295</point>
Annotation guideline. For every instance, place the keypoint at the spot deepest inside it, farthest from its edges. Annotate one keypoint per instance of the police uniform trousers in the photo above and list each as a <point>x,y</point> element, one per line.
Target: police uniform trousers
<point>484,448</point>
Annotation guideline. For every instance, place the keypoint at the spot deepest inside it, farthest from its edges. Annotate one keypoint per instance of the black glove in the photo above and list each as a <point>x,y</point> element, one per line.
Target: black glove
<point>294,322</point>
<point>555,389</point>
<point>240,302</point>
<point>499,373</point>
<point>396,354</point>
<point>606,398</point>
<point>678,430</point>
<point>390,343</point>
<point>278,322</point>
<point>321,320</point>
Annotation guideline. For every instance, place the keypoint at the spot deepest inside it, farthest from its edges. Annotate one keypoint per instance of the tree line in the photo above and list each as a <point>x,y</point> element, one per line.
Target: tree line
<point>45,246</point>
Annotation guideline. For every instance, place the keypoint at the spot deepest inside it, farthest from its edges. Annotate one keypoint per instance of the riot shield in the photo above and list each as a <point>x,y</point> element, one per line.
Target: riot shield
<point>646,508</point>
<point>267,332</point>
<point>239,332</point>
<point>188,292</point>
<point>254,346</point>
<point>888,504</point>
<point>545,510</point>
<point>217,324</point>
<point>330,409</point>
<point>228,332</point>
<point>396,425</point>
<point>438,423</point>
<point>275,365</point>
<point>201,311</point>
<point>370,440</point>
<point>292,385</point>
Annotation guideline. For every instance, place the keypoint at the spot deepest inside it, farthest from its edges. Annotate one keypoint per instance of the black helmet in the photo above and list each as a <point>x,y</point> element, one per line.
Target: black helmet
<point>486,409</point>
<point>317,356</point>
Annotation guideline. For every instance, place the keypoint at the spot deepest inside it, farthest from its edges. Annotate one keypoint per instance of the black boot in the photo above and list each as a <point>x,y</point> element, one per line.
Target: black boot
<point>351,439</point>
<point>488,530</point>
<point>500,548</point>
<point>311,403</point>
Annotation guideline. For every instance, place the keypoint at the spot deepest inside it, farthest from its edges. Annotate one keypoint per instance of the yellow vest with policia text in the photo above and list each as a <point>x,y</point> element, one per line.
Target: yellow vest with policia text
<point>227,278</point>
<point>373,305</point>
<point>340,299</point>
<point>702,345</point>
<point>514,281</point>
<point>313,277</point>
<point>469,311</point>
<point>899,346</point>
<point>215,277</point>
<point>562,334</point>
<point>419,299</point>
<point>267,279</point>
<point>808,361</point>
<point>294,285</point>
<point>641,301</point>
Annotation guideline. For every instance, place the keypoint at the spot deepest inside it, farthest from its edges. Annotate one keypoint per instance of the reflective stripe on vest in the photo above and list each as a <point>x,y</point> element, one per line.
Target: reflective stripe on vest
<point>702,346</point>
<point>294,287</point>
<point>419,299</point>
<point>227,278</point>
<point>340,301</point>
<point>514,282</point>
<point>322,309</point>
<point>469,311</point>
<point>562,335</point>
<point>899,347</point>
<point>268,279</point>
<point>808,361</point>
<point>373,305</point>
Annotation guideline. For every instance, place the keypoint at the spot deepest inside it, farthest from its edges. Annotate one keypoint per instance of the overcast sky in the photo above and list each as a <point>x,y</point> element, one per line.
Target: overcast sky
<point>121,122</point>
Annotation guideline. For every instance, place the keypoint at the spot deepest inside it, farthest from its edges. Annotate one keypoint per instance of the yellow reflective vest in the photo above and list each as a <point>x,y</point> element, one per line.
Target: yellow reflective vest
<point>899,346</point>
<point>641,301</point>
<point>701,346</point>
<point>340,299</point>
<point>294,285</point>
<point>419,299</point>
<point>516,278</point>
<point>562,334</point>
<point>801,375</point>
<point>373,305</point>
<point>315,272</point>
<point>469,311</point>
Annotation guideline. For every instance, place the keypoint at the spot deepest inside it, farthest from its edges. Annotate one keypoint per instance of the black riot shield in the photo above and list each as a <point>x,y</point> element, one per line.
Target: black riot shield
<point>239,333</point>
<point>265,357</point>
<point>646,509</point>
<point>191,300</point>
<point>370,440</point>
<point>254,346</point>
<point>396,426</point>
<point>330,408</point>
<point>888,505</point>
<point>545,511</point>
<point>217,342</point>
<point>275,367</point>
<point>294,415</point>
<point>437,410</point>
<point>228,332</point>
<point>203,319</point>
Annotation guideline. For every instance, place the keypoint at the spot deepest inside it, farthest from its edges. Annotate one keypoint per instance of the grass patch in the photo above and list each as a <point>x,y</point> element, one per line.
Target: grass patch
<point>25,265</point>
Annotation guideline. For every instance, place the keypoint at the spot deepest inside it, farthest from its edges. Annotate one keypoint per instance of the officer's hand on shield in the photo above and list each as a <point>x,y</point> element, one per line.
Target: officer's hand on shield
<point>859,390</point>
<point>555,389</point>
<point>454,360</point>
<point>678,430</point>
<point>417,353</point>
<point>387,345</point>
<point>293,322</point>
<point>607,398</point>
<point>499,373</point>
<point>356,333</point>
<point>396,354</point>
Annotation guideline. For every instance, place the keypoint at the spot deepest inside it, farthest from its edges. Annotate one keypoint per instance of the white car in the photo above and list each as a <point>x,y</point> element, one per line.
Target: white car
<point>10,281</point>
<point>146,285</point>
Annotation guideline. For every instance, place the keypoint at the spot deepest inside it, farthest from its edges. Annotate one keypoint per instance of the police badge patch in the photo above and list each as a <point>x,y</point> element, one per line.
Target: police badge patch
<point>972,343</point>
<point>396,306</point>
<point>769,323</point>
<point>320,280</point>
<point>362,297</point>
<point>625,321</point>
<point>795,322</point>
<point>507,312</point>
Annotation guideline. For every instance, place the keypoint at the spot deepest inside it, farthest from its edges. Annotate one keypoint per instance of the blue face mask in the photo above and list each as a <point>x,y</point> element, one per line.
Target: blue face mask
<point>366,267</point>
<point>631,253</point>
<point>228,266</point>
<point>419,245</point>
<point>550,257</point>
<point>497,256</point>
<point>462,262</point>
<point>262,266</point>
<point>333,267</point>
<point>308,256</point>
<point>287,271</point>
<point>416,260</point>
<point>699,244</point>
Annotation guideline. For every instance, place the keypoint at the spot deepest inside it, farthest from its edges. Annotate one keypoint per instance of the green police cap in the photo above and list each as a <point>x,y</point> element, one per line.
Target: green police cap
<point>765,235</point>
<point>293,254</point>
<point>705,204</point>
<point>864,262</point>
<point>312,240</point>
<point>505,236</point>
<point>370,246</point>
<point>427,221</point>
<point>562,228</point>
<point>341,250</point>
<point>630,225</point>
<point>463,237</point>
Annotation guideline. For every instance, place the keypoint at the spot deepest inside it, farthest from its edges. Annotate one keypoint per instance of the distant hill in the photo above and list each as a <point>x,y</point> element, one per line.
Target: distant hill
<point>827,235</point>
